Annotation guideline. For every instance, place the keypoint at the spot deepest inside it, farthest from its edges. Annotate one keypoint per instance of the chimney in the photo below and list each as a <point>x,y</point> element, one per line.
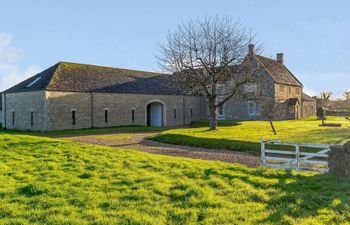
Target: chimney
<point>251,48</point>
<point>280,58</point>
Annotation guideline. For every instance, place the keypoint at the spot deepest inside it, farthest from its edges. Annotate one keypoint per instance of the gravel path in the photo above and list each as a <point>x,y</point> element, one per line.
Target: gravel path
<point>138,141</point>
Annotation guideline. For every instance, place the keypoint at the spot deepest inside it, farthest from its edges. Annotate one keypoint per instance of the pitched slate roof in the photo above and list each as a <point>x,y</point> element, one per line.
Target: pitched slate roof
<point>306,97</point>
<point>66,76</point>
<point>278,71</point>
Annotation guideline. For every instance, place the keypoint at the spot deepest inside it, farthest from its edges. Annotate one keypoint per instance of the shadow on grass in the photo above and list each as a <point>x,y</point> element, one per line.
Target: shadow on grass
<point>86,132</point>
<point>296,196</point>
<point>309,196</point>
<point>221,123</point>
<point>213,143</point>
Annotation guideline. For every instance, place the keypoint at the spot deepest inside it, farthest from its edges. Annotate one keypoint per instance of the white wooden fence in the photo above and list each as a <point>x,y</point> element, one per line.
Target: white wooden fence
<point>295,159</point>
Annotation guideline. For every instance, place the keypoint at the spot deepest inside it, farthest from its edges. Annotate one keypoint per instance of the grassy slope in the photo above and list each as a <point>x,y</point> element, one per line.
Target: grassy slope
<point>46,181</point>
<point>245,136</point>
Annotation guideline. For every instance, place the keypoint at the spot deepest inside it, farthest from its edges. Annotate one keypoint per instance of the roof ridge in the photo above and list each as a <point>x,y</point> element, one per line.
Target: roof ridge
<point>110,67</point>
<point>260,57</point>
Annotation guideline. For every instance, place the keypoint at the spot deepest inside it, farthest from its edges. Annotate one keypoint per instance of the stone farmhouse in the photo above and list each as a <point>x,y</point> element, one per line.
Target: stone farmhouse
<point>75,96</point>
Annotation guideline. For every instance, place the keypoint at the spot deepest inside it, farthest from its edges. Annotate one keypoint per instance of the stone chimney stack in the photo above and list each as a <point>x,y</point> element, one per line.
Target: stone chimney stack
<point>251,48</point>
<point>280,58</point>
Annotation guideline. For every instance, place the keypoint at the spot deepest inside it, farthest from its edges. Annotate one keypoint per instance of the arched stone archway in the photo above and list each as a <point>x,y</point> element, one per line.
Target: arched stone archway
<point>155,113</point>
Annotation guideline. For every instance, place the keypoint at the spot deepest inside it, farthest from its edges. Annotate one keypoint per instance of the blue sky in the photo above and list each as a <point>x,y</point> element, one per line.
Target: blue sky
<point>314,35</point>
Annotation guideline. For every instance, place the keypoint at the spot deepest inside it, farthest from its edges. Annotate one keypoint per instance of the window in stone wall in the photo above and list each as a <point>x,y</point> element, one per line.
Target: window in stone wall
<point>281,87</point>
<point>290,90</point>
<point>106,115</point>
<point>221,110</point>
<point>253,109</point>
<point>191,112</point>
<point>174,113</point>
<point>133,115</point>
<point>73,117</point>
<point>297,90</point>
<point>13,118</point>
<point>31,118</point>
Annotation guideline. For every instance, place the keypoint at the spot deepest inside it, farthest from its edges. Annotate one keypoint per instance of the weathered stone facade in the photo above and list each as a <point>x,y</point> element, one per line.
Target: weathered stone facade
<point>25,111</point>
<point>284,92</point>
<point>309,108</point>
<point>53,110</point>
<point>339,160</point>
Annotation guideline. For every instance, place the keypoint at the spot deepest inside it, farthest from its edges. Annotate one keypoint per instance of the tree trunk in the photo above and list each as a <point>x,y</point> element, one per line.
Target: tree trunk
<point>213,122</point>
<point>273,127</point>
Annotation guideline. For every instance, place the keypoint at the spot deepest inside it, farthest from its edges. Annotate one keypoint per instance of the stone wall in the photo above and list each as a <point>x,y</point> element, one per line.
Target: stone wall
<point>339,160</point>
<point>60,106</point>
<point>238,109</point>
<point>284,92</point>
<point>90,109</point>
<point>20,106</point>
<point>308,108</point>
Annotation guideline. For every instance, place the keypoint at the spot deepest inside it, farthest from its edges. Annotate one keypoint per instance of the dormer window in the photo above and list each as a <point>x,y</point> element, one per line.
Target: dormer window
<point>33,82</point>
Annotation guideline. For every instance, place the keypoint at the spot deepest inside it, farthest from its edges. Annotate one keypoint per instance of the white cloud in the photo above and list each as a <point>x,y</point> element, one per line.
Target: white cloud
<point>10,71</point>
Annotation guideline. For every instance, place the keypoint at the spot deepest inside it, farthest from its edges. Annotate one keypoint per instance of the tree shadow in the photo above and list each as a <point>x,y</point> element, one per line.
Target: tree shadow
<point>220,123</point>
<point>214,143</point>
<point>297,196</point>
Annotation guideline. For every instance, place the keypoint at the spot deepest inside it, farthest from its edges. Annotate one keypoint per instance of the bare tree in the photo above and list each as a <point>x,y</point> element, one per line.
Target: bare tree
<point>204,54</point>
<point>325,97</point>
<point>270,108</point>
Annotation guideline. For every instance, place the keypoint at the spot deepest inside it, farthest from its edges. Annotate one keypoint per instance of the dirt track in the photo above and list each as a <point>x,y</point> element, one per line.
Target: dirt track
<point>138,141</point>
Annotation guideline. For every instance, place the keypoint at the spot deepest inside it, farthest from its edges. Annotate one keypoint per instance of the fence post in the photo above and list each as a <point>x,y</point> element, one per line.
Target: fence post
<point>297,153</point>
<point>262,144</point>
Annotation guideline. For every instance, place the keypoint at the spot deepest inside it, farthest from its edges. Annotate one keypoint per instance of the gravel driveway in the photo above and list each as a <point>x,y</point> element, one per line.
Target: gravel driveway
<point>138,141</point>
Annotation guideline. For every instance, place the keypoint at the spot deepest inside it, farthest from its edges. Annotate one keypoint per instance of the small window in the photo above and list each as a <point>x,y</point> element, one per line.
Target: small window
<point>73,117</point>
<point>133,114</point>
<point>31,118</point>
<point>106,115</point>
<point>253,109</point>
<point>191,112</point>
<point>221,110</point>
<point>297,90</point>
<point>33,82</point>
<point>13,118</point>
<point>282,88</point>
<point>290,90</point>
<point>174,113</point>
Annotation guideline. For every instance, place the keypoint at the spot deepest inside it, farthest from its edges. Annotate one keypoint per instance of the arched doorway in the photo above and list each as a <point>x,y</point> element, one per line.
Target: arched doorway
<point>155,114</point>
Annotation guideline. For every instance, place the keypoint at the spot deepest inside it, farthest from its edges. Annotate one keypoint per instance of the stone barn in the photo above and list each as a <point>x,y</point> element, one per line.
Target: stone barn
<point>76,96</point>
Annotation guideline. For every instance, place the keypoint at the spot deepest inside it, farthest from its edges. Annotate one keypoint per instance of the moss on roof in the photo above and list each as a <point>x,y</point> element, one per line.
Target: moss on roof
<point>67,76</point>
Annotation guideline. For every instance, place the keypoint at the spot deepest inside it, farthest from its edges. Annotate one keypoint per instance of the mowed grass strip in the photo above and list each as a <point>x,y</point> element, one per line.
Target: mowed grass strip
<point>246,135</point>
<point>46,181</point>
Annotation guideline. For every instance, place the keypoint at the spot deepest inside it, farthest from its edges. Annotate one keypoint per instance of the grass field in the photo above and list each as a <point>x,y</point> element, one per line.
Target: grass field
<point>245,136</point>
<point>47,181</point>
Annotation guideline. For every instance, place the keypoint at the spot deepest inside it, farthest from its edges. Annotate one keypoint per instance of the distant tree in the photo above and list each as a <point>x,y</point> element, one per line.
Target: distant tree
<point>204,54</point>
<point>325,97</point>
<point>347,95</point>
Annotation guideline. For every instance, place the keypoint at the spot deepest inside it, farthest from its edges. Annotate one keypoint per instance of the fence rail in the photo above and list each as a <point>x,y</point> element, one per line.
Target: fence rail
<point>296,159</point>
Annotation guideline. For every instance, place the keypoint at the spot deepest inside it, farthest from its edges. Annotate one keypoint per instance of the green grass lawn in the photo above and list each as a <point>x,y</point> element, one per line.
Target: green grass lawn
<point>88,131</point>
<point>245,136</point>
<point>47,181</point>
